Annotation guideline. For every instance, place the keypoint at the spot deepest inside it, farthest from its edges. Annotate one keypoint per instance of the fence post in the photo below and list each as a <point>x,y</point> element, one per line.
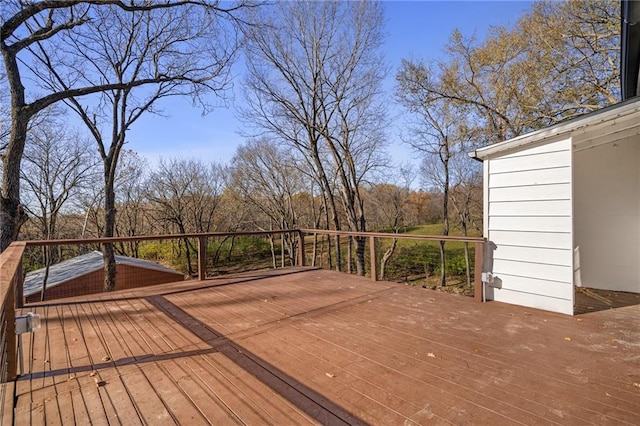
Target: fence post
<point>300,248</point>
<point>477,271</point>
<point>202,258</point>
<point>373,260</point>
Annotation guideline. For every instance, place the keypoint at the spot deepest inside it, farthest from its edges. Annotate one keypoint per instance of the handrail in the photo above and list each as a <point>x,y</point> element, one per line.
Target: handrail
<point>100,240</point>
<point>11,275</point>
<point>393,235</point>
<point>10,279</point>
<point>478,242</point>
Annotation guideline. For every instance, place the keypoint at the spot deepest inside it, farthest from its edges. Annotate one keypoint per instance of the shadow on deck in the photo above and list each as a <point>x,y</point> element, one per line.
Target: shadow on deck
<point>306,346</point>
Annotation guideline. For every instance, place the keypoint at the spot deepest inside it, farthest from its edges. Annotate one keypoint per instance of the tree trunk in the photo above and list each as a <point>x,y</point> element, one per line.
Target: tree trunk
<point>47,263</point>
<point>216,254</point>
<point>233,242</point>
<point>467,262</point>
<point>108,253</point>
<point>315,249</point>
<point>12,214</point>
<point>336,241</point>
<point>273,253</point>
<point>385,258</point>
<point>187,253</point>
<point>443,264</point>
<point>445,212</point>
<point>109,258</point>
<point>360,249</point>
<point>349,254</point>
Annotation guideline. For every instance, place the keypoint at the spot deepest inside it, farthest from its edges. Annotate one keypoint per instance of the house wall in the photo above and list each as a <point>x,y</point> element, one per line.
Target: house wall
<point>607,215</point>
<point>127,277</point>
<point>528,212</point>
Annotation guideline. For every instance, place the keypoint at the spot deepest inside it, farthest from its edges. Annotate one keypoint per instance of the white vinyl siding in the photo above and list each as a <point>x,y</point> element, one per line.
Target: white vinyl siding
<point>529,221</point>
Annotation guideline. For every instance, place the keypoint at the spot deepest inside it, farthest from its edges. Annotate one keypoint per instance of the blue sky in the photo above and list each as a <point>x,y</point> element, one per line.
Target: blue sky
<point>416,29</point>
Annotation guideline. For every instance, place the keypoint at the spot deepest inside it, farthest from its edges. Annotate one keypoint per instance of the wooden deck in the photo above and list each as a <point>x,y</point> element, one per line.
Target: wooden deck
<point>300,346</point>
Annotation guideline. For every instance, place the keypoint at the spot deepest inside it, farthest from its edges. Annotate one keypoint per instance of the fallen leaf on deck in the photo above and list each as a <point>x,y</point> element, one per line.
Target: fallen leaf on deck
<point>636,385</point>
<point>106,358</point>
<point>568,339</point>
<point>431,355</point>
<point>330,375</point>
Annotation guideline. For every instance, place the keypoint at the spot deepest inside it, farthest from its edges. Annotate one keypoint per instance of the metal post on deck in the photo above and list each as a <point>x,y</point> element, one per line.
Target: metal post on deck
<point>478,287</point>
<point>372,255</point>
<point>202,258</point>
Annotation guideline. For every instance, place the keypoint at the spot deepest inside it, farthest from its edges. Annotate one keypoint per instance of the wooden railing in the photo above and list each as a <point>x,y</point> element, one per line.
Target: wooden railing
<point>478,243</point>
<point>10,279</point>
<point>12,276</point>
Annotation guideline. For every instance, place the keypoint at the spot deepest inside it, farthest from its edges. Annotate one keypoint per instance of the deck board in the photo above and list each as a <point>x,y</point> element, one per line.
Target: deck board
<point>305,346</point>
<point>482,361</point>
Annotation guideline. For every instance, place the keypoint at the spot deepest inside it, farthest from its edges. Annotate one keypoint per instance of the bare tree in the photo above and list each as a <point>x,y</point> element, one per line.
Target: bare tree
<point>388,201</point>
<point>186,195</point>
<point>314,83</point>
<point>466,199</point>
<point>109,48</point>
<point>131,202</point>
<point>266,177</point>
<point>436,129</point>
<point>58,163</point>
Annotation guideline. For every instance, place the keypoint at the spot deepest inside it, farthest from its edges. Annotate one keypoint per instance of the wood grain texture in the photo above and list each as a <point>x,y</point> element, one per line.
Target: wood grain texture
<point>305,346</point>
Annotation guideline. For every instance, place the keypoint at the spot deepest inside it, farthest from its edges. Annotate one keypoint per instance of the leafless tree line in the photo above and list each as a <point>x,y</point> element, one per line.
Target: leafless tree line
<point>315,113</point>
<point>262,188</point>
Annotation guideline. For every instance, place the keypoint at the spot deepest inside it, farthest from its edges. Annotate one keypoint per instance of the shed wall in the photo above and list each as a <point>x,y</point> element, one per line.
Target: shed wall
<point>607,215</point>
<point>127,277</point>
<point>132,277</point>
<point>529,221</point>
<point>90,283</point>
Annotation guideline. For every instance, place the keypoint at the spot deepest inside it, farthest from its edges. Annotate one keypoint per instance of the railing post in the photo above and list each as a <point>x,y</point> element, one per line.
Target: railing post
<point>202,258</point>
<point>477,271</point>
<point>372,255</point>
<point>300,248</point>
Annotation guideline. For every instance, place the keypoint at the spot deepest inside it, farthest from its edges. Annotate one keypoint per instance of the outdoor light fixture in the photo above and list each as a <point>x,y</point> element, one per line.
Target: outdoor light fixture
<point>25,324</point>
